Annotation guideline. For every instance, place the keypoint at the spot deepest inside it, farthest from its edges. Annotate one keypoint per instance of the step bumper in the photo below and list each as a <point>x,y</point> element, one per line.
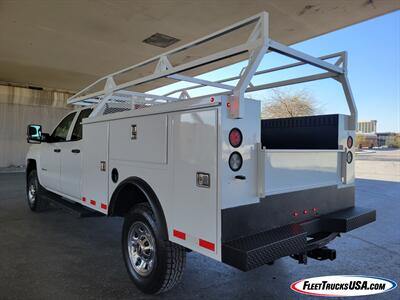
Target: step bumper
<point>253,251</point>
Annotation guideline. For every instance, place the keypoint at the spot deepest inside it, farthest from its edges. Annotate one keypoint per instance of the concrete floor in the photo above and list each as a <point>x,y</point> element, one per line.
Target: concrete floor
<point>52,255</point>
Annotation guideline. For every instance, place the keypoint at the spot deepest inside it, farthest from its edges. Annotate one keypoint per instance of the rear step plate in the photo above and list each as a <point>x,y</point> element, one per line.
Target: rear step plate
<point>348,219</point>
<point>256,250</point>
<point>75,209</point>
<point>249,252</point>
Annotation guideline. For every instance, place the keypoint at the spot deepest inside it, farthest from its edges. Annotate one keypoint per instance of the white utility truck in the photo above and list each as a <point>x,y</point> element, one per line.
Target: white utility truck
<point>203,173</point>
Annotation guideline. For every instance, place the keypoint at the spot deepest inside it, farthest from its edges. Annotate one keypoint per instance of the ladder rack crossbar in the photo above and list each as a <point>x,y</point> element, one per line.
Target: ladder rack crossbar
<point>261,72</point>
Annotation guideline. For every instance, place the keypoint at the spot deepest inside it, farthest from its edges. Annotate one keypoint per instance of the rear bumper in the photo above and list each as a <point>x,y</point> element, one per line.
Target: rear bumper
<point>255,250</point>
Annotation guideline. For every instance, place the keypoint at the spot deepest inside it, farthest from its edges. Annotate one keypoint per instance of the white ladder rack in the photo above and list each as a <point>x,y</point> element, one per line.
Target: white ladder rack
<point>256,46</point>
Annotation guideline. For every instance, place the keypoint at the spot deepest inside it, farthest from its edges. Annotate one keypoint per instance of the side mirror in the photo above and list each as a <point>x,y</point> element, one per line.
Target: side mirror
<point>34,134</point>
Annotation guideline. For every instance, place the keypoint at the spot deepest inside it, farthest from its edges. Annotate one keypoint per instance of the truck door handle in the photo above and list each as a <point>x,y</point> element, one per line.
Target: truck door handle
<point>75,151</point>
<point>57,150</point>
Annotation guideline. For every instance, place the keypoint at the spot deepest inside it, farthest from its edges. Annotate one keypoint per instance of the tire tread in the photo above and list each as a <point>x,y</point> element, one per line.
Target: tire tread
<point>176,256</point>
<point>41,204</point>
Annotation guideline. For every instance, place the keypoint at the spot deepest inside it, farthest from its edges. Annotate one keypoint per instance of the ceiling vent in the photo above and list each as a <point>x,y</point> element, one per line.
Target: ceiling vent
<point>161,40</point>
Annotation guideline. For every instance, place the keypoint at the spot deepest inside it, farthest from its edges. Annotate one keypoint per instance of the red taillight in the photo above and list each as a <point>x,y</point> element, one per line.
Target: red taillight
<point>349,142</point>
<point>235,137</point>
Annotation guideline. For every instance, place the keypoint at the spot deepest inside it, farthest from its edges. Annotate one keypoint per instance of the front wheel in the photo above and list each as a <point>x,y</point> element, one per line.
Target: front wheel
<point>34,193</point>
<point>153,264</point>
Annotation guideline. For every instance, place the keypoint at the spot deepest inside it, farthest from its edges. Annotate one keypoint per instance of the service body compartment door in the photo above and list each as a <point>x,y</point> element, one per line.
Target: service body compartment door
<point>194,154</point>
<point>95,166</point>
<point>139,139</point>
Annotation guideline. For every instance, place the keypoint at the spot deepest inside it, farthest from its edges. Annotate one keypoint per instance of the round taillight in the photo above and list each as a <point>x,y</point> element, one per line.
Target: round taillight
<point>235,161</point>
<point>235,137</point>
<point>349,157</point>
<point>349,142</point>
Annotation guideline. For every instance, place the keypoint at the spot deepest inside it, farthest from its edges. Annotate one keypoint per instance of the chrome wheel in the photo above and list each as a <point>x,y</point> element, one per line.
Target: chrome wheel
<point>141,248</point>
<point>32,193</point>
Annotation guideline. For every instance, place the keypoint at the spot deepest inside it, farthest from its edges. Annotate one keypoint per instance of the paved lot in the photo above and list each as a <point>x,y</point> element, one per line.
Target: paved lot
<point>53,255</point>
<point>379,165</point>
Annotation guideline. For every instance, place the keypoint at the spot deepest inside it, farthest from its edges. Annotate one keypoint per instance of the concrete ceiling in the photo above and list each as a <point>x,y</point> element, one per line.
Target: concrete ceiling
<point>67,44</point>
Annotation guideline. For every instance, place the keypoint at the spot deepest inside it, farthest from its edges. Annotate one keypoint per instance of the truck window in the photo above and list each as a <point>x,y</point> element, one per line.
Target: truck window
<point>77,132</point>
<point>60,133</point>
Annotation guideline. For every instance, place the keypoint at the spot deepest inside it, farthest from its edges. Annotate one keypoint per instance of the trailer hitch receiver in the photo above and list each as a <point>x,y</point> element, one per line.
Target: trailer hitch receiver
<point>322,253</point>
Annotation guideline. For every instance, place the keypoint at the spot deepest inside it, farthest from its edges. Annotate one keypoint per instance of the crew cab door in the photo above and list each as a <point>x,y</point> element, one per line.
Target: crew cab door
<point>50,155</point>
<point>71,159</point>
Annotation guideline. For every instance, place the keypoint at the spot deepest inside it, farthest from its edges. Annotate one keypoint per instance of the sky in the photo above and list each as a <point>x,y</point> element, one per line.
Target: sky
<point>373,49</point>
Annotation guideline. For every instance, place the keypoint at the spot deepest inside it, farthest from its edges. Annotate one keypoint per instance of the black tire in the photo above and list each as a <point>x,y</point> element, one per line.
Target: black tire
<point>38,203</point>
<point>169,258</point>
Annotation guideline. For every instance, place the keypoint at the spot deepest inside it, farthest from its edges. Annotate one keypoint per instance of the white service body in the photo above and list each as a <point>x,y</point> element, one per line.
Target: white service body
<point>173,143</point>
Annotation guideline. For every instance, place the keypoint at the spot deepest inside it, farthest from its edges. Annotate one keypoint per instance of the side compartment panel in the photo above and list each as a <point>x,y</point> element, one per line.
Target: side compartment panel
<point>94,179</point>
<point>194,149</point>
<point>144,157</point>
<point>149,145</point>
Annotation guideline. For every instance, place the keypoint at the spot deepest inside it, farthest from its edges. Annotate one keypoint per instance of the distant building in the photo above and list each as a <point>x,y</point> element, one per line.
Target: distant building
<point>367,126</point>
<point>387,139</point>
<point>366,134</point>
<point>366,140</point>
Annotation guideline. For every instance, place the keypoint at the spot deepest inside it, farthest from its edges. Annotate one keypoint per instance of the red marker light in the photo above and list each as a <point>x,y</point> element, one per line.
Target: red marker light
<point>295,214</point>
<point>305,211</point>
<point>235,104</point>
<point>315,209</point>
<point>228,104</point>
<point>349,142</point>
<point>235,137</point>
<point>212,99</point>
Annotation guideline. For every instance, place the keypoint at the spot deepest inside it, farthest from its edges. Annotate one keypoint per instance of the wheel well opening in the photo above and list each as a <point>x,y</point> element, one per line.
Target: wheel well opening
<point>133,191</point>
<point>126,198</point>
<point>31,165</point>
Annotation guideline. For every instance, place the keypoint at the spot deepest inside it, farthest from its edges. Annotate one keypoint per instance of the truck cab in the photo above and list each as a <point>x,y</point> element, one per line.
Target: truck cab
<point>60,157</point>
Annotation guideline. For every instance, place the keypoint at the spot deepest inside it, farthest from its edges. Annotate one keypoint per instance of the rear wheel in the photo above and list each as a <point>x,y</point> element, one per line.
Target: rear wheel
<point>153,264</point>
<point>34,193</point>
